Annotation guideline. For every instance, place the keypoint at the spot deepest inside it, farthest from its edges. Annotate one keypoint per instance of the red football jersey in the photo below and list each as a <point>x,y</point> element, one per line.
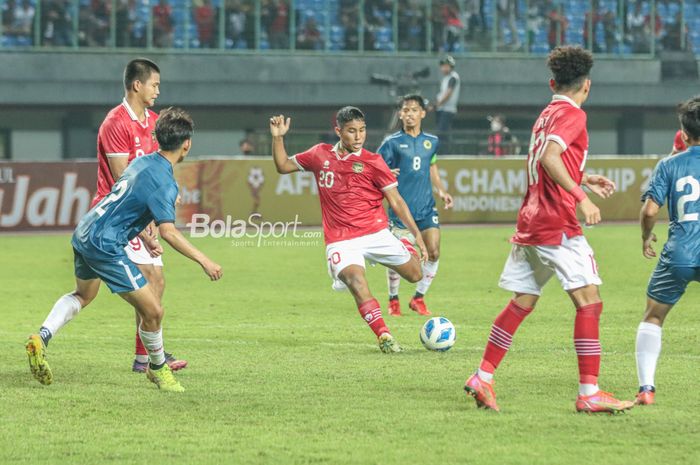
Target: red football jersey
<point>350,190</point>
<point>122,135</point>
<point>678,144</point>
<point>548,211</point>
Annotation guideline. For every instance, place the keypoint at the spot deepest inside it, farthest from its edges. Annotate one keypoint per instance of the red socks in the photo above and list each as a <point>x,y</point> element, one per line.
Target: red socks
<point>371,312</point>
<point>501,336</point>
<point>140,349</point>
<point>587,342</point>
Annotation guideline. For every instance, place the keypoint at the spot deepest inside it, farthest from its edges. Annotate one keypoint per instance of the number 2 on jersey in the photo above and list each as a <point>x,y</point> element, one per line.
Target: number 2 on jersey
<point>693,196</point>
<point>112,197</point>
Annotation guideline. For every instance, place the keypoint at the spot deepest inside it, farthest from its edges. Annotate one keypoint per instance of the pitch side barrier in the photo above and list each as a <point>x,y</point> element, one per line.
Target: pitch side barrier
<point>231,191</point>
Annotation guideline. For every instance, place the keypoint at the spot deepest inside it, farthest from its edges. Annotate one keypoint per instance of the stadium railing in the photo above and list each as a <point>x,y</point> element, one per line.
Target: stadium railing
<point>520,27</point>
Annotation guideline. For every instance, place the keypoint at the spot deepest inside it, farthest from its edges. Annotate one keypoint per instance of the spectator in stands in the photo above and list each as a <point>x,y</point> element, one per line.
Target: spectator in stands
<point>98,23</point>
<point>639,37</point>
<point>595,15</point>
<point>125,19</point>
<point>163,25</point>
<point>654,28</point>
<point>557,24</point>
<point>57,23</point>
<point>508,12</point>
<point>309,38</point>
<point>610,31</point>
<point>501,141</point>
<point>350,23</point>
<point>236,18</point>
<point>205,18</point>
<point>536,17</point>
<point>411,26</point>
<point>451,16</point>
<point>278,31</point>
<point>18,19</point>
<point>674,32</point>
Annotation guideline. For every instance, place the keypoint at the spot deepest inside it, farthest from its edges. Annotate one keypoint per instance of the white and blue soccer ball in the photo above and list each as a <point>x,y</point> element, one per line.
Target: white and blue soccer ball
<point>438,334</point>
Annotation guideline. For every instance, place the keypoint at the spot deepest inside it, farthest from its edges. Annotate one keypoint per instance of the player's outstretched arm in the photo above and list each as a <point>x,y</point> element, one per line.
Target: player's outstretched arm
<point>398,205</point>
<point>599,185</point>
<point>437,182</point>
<point>647,220</point>
<point>278,128</point>
<point>554,166</point>
<point>172,236</point>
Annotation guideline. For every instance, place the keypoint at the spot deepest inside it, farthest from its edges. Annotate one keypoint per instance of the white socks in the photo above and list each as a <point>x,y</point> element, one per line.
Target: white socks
<point>429,271</point>
<point>588,389</point>
<point>648,350</point>
<point>393,280</point>
<point>153,342</point>
<point>62,312</point>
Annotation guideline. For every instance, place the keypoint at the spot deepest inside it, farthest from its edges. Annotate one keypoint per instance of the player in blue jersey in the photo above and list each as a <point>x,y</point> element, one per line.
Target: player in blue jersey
<point>145,192</point>
<point>676,181</point>
<point>412,155</point>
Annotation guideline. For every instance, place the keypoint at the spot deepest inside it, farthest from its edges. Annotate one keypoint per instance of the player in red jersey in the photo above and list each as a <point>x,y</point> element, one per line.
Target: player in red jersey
<point>548,240</point>
<point>678,143</point>
<point>127,133</point>
<point>352,184</point>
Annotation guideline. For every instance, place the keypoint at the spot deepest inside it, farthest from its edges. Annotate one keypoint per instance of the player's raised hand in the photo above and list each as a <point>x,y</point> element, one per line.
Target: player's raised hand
<point>213,270</point>
<point>647,248</point>
<point>279,126</point>
<point>591,212</point>
<point>600,185</point>
<point>447,198</point>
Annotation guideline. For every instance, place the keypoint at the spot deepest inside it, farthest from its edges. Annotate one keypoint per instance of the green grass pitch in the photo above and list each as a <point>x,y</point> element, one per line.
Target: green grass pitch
<point>283,370</point>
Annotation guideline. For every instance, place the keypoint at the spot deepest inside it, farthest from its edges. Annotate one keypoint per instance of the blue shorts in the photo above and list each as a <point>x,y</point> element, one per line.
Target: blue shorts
<point>422,223</point>
<point>668,283</point>
<point>119,273</point>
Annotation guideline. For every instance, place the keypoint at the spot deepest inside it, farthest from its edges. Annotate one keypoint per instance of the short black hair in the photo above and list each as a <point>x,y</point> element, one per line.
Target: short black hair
<point>689,117</point>
<point>173,128</point>
<point>413,98</point>
<point>570,66</point>
<point>139,69</point>
<point>347,114</point>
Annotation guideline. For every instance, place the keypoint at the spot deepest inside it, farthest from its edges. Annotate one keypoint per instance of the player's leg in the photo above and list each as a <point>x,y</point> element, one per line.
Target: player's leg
<point>577,271</point>
<point>666,286</point>
<point>152,269</point>
<point>394,278</point>
<point>353,276</point>
<point>524,275</point>
<point>62,312</point>
<point>146,303</point>
<point>431,237</point>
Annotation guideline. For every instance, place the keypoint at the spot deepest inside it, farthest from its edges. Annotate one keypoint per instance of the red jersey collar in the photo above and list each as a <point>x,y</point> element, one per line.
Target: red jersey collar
<point>132,114</point>
<point>335,150</point>
<point>564,98</point>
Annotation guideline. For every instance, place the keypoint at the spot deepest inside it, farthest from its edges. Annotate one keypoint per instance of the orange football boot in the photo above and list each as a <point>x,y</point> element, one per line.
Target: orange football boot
<point>602,402</point>
<point>482,392</point>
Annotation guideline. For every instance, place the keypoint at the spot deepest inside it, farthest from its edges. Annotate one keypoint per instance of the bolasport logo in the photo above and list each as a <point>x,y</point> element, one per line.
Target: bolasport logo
<point>254,231</point>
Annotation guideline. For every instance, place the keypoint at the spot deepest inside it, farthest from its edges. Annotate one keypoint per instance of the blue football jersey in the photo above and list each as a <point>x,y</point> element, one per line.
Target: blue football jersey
<point>676,180</point>
<point>145,192</point>
<point>413,156</point>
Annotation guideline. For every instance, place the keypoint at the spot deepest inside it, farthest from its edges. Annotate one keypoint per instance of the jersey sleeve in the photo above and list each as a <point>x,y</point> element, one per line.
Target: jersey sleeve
<point>305,160</point>
<point>436,147</point>
<point>386,150</point>
<point>161,204</point>
<point>678,144</point>
<point>659,185</point>
<point>383,177</point>
<point>116,139</point>
<point>567,127</point>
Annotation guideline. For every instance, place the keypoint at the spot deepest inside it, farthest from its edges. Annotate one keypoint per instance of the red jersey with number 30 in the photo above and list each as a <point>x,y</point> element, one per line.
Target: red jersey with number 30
<point>678,144</point>
<point>350,188</point>
<point>548,211</point>
<point>122,135</point>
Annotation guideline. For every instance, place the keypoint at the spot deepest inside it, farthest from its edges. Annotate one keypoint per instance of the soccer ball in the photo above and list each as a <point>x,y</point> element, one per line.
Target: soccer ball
<point>438,334</point>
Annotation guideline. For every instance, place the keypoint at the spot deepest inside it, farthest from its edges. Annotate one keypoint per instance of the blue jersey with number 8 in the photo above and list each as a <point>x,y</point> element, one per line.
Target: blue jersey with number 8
<point>145,192</point>
<point>413,156</point>
<point>676,180</point>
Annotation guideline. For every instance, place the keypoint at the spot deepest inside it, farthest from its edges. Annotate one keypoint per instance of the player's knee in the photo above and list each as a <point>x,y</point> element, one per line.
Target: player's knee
<point>415,273</point>
<point>84,298</point>
<point>433,255</point>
